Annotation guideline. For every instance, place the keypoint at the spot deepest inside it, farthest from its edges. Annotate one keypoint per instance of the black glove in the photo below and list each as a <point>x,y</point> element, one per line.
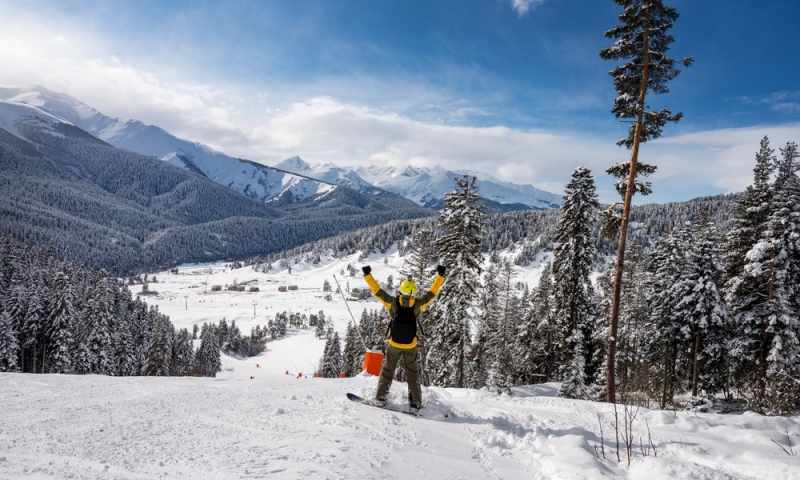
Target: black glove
<point>366,269</point>
<point>440,270</point>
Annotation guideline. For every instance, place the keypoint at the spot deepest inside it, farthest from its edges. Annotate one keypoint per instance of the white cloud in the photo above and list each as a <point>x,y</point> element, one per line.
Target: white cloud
<point>524,6</point>
<point>255,125</point>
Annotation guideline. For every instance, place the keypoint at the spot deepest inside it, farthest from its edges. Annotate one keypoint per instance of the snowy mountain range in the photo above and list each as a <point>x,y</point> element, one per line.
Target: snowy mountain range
<point>292,180</point>
<point>106,207</point>
<point>426,186</point>
<point>257,181</point>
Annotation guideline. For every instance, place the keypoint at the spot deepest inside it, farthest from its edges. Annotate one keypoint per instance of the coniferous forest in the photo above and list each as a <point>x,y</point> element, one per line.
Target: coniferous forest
<point>59,318</point>
<point>710,309</point>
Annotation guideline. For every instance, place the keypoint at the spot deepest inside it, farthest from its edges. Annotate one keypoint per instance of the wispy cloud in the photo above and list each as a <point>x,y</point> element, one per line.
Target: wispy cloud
<point>784,102</point>
<point>421,127</point>
<point>524,6</point>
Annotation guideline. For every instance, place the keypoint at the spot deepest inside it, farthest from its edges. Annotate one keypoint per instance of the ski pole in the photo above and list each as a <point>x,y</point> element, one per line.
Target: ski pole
<point>422,346</point>
<point>355,325</point>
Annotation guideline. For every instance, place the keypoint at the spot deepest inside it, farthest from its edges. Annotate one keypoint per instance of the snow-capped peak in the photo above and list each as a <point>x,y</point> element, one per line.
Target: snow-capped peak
<point>294,165</point>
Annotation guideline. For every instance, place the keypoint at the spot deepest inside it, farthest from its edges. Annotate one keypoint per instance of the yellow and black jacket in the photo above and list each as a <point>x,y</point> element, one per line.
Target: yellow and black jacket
<point>403,310</point>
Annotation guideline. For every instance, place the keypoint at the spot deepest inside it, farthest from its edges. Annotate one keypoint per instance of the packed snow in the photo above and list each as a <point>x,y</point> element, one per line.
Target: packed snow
<point>270,417</point>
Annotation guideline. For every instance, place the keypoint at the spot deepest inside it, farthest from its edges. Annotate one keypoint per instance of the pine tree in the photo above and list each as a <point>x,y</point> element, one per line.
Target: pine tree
<point>158,351</point>
<point>60,326</point>
<point>573,263</point>
<point>527,346</point>
<point>9,348</point>
<point>663,344</point>
<point>124,354</point>
<point>749,221</point>
<point>544,323</point>
<point>481,359</point>
<point>332,363</point>
<point>352,356</point>
<point>208,356</point>
<point>319,331</point>
<point>700,313</point>
<point>500,338</point>
<point>462,221</point>
<point>776,258</point>
<point>420,257</point>
<point>182,354</point>
<point>642,40</point>
<point>32,328</point>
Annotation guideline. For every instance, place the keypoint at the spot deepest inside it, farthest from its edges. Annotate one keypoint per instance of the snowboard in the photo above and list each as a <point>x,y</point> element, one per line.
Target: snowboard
<point>400,409</point>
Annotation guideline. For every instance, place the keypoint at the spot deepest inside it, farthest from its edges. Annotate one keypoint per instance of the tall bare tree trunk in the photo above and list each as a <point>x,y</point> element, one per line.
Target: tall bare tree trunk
<point>762,355</point>
<point>665,379</point>
<point>695,348</point>
<point>611,393</point>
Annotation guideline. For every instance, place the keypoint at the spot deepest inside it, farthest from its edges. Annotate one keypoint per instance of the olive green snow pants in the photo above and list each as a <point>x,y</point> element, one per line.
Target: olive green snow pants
<point>409,356</point>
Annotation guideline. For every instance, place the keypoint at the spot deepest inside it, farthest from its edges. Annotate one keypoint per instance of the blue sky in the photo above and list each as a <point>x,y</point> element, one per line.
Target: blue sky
<point>513,88</point>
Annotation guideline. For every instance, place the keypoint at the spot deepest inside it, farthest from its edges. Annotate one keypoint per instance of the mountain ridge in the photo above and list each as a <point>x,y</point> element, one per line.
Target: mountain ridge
<point>106,207</point>
<point>291,180</point>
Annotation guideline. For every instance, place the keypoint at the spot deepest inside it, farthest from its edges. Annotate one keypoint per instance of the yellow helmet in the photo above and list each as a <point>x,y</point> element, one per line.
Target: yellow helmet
<point>408,287</point>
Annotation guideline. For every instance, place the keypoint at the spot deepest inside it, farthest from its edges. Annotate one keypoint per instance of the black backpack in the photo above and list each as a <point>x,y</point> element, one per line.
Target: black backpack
<point>404,324</point>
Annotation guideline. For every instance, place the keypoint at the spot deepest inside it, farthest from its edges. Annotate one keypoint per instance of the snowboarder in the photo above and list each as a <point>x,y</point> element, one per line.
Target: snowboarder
<point>402,332</point>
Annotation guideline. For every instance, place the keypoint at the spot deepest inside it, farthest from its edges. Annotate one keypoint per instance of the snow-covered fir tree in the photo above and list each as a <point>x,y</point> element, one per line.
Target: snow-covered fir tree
<point>332,364</point>
<point>459,247</point>
<point>208,356</point>
<point>500,334</point>
<point>422,254</point>
<point>58,333</point>
<point>663,341</point>
<point>574,297</point>
<point>700,313</point>
<point>9,348</point>
<point>776,259</point>
<point>750,219</point>
<point>534,345</point>
<point>33,325</point>
<point>182,361</point>
<point>763,296</point>
<point>353,352</point>
<point>96,328</point>
<point>125,363</point>
<point>488,302</point>
<point>159,351</point>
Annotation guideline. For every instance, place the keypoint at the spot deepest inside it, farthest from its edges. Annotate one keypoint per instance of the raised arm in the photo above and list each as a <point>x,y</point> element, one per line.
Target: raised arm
<point>426,299</point>
<point>379,293</point>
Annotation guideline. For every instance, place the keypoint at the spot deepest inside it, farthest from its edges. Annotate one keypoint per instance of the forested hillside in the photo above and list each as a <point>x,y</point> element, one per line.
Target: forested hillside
<point>59,318</point>
<point>104,207</point>
<point>523,232</point>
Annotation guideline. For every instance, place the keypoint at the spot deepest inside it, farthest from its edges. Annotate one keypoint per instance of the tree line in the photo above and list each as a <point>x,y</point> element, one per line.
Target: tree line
<point>703,312</point>
<point>707,313</point>
<point>56,317</point>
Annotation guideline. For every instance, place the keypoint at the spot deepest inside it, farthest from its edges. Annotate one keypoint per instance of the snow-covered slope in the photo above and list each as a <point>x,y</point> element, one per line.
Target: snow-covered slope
<point>425,186</point>
<point>268,417</point>
<point>326,172</point>
<point>14,116</point>
<point>255,180</point>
